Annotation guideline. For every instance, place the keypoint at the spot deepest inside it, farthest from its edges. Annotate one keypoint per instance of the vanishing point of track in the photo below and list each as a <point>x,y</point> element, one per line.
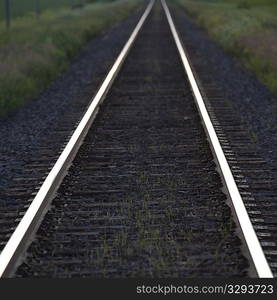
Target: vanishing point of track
<point>139,192</point>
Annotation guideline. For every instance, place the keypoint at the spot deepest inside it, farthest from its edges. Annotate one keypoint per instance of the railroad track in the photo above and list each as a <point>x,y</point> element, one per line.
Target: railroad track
<point>139,192</point>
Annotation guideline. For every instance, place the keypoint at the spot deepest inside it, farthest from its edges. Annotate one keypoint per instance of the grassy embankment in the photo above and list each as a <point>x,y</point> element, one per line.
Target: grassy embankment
<point>34,52</point>
<point>245,28</point>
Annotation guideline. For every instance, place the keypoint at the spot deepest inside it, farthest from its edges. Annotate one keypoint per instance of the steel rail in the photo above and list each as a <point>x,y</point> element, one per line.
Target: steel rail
<point>19,240</point>
<point>252,242</point>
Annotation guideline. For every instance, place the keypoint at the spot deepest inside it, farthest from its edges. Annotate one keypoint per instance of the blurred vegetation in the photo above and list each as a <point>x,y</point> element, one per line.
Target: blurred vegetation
<point>34,52</point>
<point>20,8</point>
<point>244,28</point>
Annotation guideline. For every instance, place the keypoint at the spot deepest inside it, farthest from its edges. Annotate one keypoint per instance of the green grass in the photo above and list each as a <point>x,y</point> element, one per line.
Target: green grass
<point>245,28</point>
<point>32,52</point>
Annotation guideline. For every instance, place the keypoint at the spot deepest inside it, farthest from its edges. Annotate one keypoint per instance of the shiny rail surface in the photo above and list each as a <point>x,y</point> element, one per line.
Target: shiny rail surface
<point>250,236</point>
<point>28,224</point>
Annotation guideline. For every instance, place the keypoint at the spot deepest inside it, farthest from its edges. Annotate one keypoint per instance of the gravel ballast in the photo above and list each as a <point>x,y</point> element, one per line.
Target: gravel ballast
<point>142,197</point>
<point>25,133</point>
